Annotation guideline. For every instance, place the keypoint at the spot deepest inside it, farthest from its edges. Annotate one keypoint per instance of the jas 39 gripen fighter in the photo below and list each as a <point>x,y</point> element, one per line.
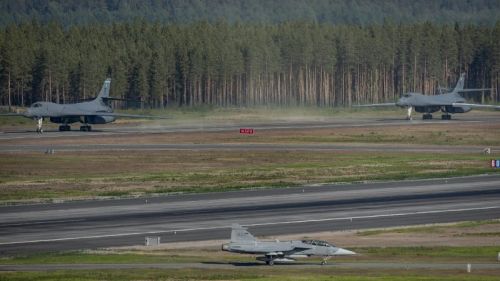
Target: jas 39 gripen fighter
<point>448,103</point>
<point>96,111</point>
<point>280,251</point>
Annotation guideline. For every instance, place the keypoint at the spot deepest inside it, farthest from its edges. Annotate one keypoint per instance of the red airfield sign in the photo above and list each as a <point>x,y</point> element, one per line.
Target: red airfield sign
<point>246,131</point>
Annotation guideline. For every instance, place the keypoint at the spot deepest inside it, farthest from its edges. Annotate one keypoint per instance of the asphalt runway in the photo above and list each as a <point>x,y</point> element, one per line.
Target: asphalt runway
<point>268,212</point>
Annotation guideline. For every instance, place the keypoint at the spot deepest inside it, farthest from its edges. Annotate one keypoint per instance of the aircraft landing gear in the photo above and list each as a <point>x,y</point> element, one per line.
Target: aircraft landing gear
<point>446,117</point>
<point>63,128</point>
<point>427,116</point>
<point>325,259</point>
<point>39,125</point>
<point>270,262</point>
<point>85,128</point>
<point>408,116</point>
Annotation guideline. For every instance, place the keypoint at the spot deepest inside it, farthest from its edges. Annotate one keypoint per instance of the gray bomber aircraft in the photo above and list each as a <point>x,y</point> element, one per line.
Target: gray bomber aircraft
<point>449,103</point>
<point>280,251</point>
<point>96,111</point>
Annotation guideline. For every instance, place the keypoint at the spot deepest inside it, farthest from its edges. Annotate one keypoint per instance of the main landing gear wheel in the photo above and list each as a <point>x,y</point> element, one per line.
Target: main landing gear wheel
<point>446,117</point>
<point>64,128</point>
<point>427,116</point>
<point>85,128</point>
<point>270,262</point>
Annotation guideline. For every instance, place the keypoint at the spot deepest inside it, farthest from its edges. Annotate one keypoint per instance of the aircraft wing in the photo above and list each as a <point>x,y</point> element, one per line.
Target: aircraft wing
<point>98,113</point>
<point>458,104</point>
<point>375,104</point>
<point>13,114</point>
<point>129,115</point>
<point>475,90</point>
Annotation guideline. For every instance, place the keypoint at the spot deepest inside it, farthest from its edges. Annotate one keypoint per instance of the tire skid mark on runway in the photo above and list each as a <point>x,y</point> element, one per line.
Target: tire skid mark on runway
<point>40,222</point>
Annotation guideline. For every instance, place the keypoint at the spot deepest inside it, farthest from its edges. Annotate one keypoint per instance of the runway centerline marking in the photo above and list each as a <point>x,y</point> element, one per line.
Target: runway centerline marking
<point>256,224</point>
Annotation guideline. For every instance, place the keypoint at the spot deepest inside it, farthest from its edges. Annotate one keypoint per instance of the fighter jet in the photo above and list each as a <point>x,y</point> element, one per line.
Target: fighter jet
<point>280,251</point>
<point>449,103</point>
<point>97,111</point>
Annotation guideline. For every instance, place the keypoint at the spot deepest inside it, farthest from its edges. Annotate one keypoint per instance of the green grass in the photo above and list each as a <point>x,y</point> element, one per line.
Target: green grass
<point>396,254</point>
<point>365,254</point>
<point>79,257</point>
<point>256,274</point>
<point>433,254</point>
<point>215,171</point>
<point>245,274</point>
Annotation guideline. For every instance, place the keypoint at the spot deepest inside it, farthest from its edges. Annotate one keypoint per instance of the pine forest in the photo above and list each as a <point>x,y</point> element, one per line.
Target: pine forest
<point>221,63</point>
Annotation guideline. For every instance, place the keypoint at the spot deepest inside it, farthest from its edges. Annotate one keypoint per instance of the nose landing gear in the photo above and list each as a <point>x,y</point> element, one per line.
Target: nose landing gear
<point>39,125</point>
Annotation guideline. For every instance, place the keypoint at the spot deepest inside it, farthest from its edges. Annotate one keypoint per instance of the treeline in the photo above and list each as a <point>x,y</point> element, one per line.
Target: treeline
<point>293,63</point>
<point>359,12</point>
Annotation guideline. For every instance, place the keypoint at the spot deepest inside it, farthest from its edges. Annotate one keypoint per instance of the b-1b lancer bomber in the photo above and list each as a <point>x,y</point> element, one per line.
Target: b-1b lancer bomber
<point>448,103</point>
<point>280,251</point>
<point>97,111</point>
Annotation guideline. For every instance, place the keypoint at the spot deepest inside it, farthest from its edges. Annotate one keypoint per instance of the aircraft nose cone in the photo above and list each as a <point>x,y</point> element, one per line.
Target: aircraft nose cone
<point>344,252</point>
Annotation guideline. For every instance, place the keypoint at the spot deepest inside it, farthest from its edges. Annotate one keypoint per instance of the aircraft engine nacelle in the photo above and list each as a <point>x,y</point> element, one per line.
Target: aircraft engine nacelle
<point>96,119</point>
<point>427,109</point>
<point>64,120</point>
<point>456,109</point>
<point>280,260</point>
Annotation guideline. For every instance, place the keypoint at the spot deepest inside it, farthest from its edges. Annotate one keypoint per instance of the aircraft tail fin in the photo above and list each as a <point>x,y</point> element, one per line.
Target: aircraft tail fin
<point>460,84</point>
<point>240,234</point>
<point>459,88</point>
<point>104,93</point>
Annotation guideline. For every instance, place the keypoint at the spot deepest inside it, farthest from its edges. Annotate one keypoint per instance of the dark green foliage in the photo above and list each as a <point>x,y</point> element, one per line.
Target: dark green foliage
<point>223,64</point>
<point>77,12</point>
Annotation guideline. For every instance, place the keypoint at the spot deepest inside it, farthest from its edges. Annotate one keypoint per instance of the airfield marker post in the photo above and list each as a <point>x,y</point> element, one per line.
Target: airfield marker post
<point>152,240</point>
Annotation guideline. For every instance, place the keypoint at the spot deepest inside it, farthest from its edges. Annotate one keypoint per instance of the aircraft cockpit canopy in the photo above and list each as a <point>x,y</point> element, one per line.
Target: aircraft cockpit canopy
<point>407,95</point>
<point>36,104</point>
<point>317,243</point>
